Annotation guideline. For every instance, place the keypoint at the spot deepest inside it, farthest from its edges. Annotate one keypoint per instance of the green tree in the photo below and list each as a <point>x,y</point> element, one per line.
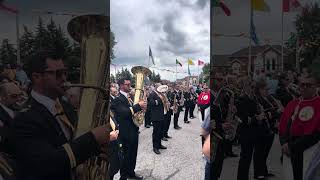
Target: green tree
<point>307,32</point>
<point>26,44</point>
<point>41,36</point>
<point>7,53</point>
<point>112,78</point>
<point>124,73</point>
<point>205,74</point>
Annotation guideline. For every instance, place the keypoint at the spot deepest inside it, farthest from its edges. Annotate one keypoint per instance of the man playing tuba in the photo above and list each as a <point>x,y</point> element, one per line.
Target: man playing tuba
<point>124,110</point>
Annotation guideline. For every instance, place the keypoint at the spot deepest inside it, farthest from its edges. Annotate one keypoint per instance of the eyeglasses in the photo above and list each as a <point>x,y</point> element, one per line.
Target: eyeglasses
<point>59,73</point>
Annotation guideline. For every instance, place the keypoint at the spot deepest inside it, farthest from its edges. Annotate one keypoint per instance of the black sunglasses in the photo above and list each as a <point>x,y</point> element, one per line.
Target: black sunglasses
<point>59,73</point>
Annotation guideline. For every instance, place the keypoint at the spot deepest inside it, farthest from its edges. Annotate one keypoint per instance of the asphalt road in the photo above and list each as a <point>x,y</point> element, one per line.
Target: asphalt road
<point>230,168</point>
<point>181,161</point>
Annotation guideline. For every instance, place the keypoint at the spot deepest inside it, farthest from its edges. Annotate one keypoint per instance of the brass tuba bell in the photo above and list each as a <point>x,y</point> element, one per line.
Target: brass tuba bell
<point>140,73</point>
<point>93,34</point>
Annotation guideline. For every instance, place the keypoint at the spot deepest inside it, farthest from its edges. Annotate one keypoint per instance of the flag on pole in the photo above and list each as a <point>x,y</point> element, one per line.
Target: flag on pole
<point>222,5</point>
<point>7,8</point>
<point>189,70</point>
<point>150,55</point>
<point>200,63</point>
<point>260,5</point>
<point>190,62</point>
<point>291,5</point>
<point>253,34</point>
<point>177,62</point>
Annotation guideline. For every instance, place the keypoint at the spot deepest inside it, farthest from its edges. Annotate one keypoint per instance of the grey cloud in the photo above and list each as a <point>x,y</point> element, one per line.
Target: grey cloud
<point>202,3</point>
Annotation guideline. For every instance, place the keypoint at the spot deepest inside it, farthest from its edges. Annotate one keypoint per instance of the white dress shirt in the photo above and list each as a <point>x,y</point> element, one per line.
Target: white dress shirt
<point>50,105</point>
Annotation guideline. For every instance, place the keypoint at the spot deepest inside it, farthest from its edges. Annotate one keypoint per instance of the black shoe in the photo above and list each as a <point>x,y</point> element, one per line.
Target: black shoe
<point>187,122</point>
<point>168,137</point>
<point>123,178</point>
<point>191,117</point>
<point>163,147</point>
<point>136,176</point>
<point>164,139</point>
<point>148,126</point>
<point>260,178</point>
<point>270,175</point>
<point>178,127</point>
<point>231,155</point>
<point>155,150</point>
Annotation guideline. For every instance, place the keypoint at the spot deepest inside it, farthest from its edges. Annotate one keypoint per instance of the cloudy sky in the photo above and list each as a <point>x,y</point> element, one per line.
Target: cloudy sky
<point>29,13</point>
<point>173,29</point>
<point>268,24</point>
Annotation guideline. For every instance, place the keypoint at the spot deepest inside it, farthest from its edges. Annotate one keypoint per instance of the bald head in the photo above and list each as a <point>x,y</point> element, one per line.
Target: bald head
<point>10,93</point>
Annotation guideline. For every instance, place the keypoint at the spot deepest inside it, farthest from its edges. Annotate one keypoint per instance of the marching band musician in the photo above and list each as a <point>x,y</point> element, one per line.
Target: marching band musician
<point>272,109</point>
<point>284,93</point>
<point>218,117</point>
<point>44,141</point>
<point>193,98</point>
<point>177,95</point>
<point>167,117</point>
<point>9,95</point>
<point>250,134</point>
<point>158,110</point>
<point>299,127</point>
<point>187,104</point>
<point>124,110</point>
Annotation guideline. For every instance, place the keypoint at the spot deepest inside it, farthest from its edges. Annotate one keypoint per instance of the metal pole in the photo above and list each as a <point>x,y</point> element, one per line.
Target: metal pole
<point>282,50</point>
<point>249,53</point>
<point>18,39</point>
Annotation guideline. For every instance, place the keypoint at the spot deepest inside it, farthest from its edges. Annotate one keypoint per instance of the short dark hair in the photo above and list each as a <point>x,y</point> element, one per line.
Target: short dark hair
<point>38,61</point>
<point>122,80</point>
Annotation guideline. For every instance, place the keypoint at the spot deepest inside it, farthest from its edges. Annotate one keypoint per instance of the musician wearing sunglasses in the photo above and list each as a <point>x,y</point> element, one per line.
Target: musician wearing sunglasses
<point>44,141</point>
<point>299,127</point>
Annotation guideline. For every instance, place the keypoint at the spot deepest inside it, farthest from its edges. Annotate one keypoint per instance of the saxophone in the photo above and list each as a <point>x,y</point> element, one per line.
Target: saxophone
<point>93,34</point>
<point>175,104</point>
<point>140,73</point>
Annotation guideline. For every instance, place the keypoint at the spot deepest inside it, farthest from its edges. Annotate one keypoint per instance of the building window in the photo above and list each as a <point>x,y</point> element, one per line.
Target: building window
<point>236,67</point>
<point>273,64</point>
<point>268,64</point>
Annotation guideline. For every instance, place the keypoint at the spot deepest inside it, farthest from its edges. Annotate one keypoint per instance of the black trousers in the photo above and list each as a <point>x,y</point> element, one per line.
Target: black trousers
<point>186,112</point>
<point>157,134</point>
<point>217,164</point>
<point>176,118</point>
<point>192,107</point>
<point>228,147</point>
<point>166,123</point>
<point>297,165</point>
<point>202,113</point>
<point>251,147</point>
<point>267,147</point>
<point>147,119</point>
<point>130,150</point>
<point>115,159</point>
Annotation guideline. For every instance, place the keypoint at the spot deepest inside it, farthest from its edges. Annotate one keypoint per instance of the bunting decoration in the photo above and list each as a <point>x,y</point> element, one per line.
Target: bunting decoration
<point>8,8</point>
<point>190,62</point>
<point>179,63</point>
<point>223,6</point>
<point>291,5</point>
<point>200,63</point>
<point>260,5</point>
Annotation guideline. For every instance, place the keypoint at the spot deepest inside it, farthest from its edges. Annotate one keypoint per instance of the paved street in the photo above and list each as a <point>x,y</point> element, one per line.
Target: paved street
<point>181,161</point>
<point>230,167</point>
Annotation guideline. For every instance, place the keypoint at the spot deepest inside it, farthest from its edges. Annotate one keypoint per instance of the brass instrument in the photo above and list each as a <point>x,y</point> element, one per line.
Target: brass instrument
<point>93,34</point>
<point>230,133</point>
<point>175,104</point>
<point>140,73</point>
